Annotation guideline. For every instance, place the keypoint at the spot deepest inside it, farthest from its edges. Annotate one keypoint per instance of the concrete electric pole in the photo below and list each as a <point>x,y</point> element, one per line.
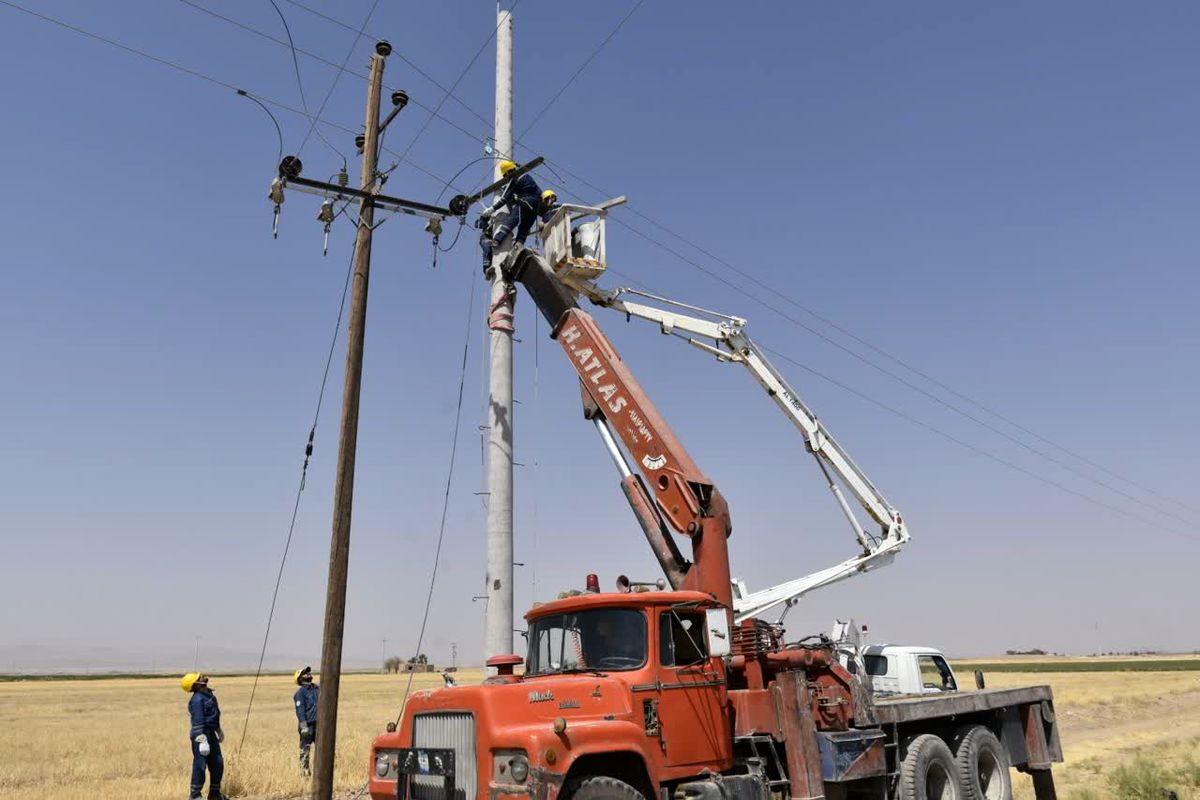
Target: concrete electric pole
<point>498,637</point>
<point>339,549</point>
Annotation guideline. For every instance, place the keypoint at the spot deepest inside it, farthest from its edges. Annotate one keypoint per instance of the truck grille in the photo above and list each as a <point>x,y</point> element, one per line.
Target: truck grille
<point>455,730</point>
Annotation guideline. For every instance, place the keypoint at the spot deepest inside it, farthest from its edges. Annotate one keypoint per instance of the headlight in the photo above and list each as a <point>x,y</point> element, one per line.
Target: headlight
<point>386,762</point>
<point>519,768</point>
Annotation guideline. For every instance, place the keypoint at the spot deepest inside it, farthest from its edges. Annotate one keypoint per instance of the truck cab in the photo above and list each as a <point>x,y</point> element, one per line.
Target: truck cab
<point>622,686</point>
<point>894,669</point>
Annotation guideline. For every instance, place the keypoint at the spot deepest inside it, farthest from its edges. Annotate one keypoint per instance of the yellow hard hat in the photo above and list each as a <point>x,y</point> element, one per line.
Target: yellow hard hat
<point>189,681</point>
<point>549,194</point>
<point>506,167</point>
<point>300,673</point>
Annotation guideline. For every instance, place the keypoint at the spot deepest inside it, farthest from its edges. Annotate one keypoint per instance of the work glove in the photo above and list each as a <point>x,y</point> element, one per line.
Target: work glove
<point>220,734</point>
<point>202,745</point>
<point>304,728</point>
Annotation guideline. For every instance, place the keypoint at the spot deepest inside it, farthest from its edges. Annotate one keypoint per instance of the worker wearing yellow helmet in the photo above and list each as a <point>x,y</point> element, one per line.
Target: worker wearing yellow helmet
<point>206,736</point>
<point>549,205</point>
<point>523,199</point>
<point>306,698</point>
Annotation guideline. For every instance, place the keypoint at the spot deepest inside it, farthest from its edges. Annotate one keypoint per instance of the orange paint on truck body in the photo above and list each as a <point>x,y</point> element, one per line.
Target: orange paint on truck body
<point>671,719</point>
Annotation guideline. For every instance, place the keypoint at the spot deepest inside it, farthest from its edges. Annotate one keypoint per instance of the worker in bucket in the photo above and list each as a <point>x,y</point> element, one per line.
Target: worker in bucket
<point>523,199</point>
<point>206,736</point>
<point>305,699</point>
<point>549,205</point>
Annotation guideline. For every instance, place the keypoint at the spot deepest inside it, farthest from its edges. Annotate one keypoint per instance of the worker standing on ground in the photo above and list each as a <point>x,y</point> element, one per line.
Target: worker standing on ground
<point>206,736</point>
<point>523,198</point>
<point>306,712</point>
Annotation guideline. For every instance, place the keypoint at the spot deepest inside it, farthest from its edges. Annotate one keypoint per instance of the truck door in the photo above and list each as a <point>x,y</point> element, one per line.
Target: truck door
<point>692,692</point>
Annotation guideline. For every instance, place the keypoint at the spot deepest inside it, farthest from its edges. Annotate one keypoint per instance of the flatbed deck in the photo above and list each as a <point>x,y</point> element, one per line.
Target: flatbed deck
<point>916,707</point>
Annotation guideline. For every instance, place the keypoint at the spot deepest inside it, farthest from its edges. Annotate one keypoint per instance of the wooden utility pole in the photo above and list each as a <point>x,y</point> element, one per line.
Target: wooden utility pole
<point>343,499</point>
<point>498,625</point>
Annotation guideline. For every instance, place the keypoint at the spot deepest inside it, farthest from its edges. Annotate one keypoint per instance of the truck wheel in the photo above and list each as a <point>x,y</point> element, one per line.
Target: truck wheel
<point>600,788</point>
<point>982,763</point>
<point>928,771</point>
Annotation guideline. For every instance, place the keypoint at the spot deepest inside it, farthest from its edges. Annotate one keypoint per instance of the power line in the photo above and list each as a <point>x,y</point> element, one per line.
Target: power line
<point>458,80</point>
<point>979,450</point>
<point>437,555</point>
<point>901,379</point>
<point>582,67</point>
<point>275,122</point>
<point>415,67</point>
<point>320,59</point>
<point>333,85</point>
<point>299,81</point>
<point>950,437</point>
<point>308,450</point>
<point>210,79</point>
<point>674,252</point>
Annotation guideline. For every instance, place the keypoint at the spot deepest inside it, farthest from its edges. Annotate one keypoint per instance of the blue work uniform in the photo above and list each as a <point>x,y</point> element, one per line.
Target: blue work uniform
<point>206,720</point>
<point>305,699</point>
<point>523,197</point>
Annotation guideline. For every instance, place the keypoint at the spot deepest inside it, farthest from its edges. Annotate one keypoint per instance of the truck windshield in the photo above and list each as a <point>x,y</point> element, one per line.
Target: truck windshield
<point>600,639</point>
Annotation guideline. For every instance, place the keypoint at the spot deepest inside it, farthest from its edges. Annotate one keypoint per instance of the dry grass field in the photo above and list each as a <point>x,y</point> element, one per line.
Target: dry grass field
<point>1118,728</point>
<point>128,738</point>
<point>1122,731</point>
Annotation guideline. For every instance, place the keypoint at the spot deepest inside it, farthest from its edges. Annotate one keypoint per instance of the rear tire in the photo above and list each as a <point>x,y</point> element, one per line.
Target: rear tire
<point>928,771</point>
<point>982,765</point>
<point>600,788</point>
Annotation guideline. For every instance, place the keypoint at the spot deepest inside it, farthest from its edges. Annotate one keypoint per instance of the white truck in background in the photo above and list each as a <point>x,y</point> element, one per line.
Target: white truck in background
<point>894,669</point>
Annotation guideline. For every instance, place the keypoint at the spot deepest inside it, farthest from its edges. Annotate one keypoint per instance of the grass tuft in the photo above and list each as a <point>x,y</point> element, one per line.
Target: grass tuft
<point>1141,779</point>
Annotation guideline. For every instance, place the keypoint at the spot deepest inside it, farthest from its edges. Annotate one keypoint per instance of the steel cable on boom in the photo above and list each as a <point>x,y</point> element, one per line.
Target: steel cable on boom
<point>337,326</point>
<point>437,554</point>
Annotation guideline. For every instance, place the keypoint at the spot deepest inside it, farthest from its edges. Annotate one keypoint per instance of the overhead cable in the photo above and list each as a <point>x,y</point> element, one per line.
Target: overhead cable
<point>579,70</point>
<point>437,553</point>
<point>333,85</point>
<point>948,436</point>
<point>299,81</point>
<point>308,451</point>
<point>457,81</point>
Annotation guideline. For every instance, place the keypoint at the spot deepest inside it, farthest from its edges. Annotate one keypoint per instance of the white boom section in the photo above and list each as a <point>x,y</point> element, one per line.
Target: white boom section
<point>731,344</point>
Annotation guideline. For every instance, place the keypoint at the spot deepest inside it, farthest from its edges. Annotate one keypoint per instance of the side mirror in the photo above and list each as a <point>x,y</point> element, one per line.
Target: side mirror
<point>719,640</point>
<point>979,682</point>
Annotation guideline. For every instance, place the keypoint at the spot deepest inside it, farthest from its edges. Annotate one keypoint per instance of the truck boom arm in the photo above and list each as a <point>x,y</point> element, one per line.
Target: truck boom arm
<point>731,344</point>
<point>675,494</point>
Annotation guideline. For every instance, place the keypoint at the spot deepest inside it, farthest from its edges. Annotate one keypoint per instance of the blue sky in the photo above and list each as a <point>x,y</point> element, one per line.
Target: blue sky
<point>1004,198</point>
